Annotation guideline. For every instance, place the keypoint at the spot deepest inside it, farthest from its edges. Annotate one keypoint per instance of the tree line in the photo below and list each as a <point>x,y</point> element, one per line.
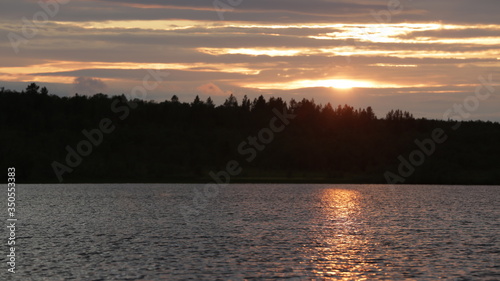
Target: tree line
<point>173,141</point>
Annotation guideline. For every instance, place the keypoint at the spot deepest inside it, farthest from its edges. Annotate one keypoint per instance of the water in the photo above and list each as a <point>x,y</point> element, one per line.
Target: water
<point>257,232</point>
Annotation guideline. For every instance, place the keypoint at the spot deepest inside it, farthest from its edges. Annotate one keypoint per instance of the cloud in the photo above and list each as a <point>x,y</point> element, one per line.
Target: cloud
<point>212,90</point>
<point>456,33</point>
<point>87,85</point>
<point>261,42</point>
<point>276,11</point>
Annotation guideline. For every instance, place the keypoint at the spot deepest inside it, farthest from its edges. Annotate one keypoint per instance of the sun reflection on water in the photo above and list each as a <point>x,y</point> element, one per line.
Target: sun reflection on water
<point>342,247</point>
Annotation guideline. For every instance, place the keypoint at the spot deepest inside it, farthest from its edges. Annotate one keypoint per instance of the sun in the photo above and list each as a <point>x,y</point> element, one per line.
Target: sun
<point>349,84</point>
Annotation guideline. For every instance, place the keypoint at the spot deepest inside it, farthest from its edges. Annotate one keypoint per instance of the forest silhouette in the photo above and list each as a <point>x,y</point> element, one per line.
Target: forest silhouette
<point>172,141</point>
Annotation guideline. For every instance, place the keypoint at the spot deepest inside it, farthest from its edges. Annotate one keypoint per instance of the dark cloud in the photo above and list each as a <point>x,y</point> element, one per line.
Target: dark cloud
<point>87,85</point>
<point>277,11</point>
<point>211,89</point>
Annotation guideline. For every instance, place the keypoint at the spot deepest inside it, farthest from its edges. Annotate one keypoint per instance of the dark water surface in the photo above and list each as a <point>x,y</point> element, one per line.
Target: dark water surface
<point>256,232</point>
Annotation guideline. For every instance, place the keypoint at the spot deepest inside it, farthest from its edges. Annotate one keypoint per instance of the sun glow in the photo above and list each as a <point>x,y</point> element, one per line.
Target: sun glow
<point>335,83</point>
<point>345,83</point>
<point>327,83</point>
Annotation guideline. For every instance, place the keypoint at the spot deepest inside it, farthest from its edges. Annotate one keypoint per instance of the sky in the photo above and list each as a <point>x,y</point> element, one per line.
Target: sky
<point>423,56</point>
